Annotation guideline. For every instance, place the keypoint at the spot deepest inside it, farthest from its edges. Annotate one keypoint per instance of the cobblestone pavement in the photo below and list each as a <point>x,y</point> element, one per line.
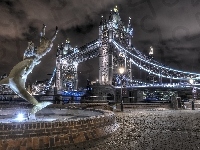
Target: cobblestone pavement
<point>151,130</point>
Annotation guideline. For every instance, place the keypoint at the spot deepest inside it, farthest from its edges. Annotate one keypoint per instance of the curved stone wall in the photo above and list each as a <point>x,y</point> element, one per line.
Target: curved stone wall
<point>41,135</point>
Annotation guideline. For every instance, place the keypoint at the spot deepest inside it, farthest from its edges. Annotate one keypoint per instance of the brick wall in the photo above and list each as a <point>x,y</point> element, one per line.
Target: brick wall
<point>39,135</point>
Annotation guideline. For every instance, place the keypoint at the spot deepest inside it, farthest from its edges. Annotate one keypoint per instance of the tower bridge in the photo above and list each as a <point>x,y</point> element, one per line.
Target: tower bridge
<point>114,50</point>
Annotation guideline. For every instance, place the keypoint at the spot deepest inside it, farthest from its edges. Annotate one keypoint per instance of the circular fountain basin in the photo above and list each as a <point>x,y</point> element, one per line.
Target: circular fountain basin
<point>53,127</point>
<point>46,114</point>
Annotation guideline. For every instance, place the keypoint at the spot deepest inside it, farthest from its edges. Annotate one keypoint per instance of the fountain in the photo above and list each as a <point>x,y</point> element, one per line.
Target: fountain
<point>42,127</point>
<point>18,75</point>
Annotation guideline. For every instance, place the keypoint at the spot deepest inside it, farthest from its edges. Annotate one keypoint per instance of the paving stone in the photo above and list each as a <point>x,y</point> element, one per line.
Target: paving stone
<point>151,130</point>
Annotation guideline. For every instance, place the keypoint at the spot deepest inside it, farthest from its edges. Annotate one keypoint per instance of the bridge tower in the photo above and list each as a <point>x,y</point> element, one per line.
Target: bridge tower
<point>66,69</point>
<point>111,59</point>
<point>105,56</point>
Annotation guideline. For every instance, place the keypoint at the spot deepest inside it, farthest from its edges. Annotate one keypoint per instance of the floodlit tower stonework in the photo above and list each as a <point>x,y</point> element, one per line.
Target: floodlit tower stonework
<point>66,69</point>
<point>111,59</point>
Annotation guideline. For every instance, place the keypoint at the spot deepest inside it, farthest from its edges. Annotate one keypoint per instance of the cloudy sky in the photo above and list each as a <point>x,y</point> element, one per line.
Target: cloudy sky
<point>172,27</point>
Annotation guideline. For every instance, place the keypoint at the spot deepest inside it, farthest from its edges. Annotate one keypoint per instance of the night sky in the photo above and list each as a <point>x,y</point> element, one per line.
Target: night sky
<point>172,27</point>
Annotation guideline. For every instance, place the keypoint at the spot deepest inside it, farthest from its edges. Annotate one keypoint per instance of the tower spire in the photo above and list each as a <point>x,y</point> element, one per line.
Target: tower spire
<point>116,9</point>
<point>101,22</point>
<point>129,20</point>
<point>129,28</point>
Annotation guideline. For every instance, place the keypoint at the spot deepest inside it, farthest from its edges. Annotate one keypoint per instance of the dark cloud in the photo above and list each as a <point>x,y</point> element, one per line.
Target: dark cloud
<point>32,32</point>
<point>84,29</point>
<point>171,27</point>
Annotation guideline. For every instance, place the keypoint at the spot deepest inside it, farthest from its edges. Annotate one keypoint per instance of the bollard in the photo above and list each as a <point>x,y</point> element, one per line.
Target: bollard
<point>193,105</point>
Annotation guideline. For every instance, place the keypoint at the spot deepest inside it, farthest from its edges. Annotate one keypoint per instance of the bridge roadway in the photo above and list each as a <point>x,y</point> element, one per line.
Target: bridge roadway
<point>173,87</point>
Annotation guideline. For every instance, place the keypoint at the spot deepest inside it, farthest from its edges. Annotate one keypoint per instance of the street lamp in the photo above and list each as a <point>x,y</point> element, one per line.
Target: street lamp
<point>191,81</point>
<point>194,91</point>
<point>75,76</point>
<point>121,71</point>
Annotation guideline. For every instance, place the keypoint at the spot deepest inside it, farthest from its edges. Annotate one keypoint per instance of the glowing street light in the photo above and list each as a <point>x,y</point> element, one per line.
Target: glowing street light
<point>194,92</point>
<point>121,71</point>
<point>191,81</point>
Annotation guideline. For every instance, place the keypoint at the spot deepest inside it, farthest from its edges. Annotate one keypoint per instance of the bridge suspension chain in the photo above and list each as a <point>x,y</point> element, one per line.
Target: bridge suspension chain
<point>153,66</point>
<point>84,53</point>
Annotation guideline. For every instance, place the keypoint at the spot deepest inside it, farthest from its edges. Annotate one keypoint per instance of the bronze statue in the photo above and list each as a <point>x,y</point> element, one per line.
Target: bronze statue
<point>18,75</point>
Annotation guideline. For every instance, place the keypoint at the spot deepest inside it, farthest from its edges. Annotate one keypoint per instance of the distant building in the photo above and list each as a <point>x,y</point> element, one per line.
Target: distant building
<point>39,87</point>
<point>5,89</point>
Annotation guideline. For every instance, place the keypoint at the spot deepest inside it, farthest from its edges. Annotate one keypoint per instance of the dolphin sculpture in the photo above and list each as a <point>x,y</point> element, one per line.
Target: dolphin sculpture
<point>17,78</point>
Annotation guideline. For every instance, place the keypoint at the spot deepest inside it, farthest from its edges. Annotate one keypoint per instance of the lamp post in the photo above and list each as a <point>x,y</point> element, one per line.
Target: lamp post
<point>121,71</point>
<point>75,76</point>
<point>191,81</point>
